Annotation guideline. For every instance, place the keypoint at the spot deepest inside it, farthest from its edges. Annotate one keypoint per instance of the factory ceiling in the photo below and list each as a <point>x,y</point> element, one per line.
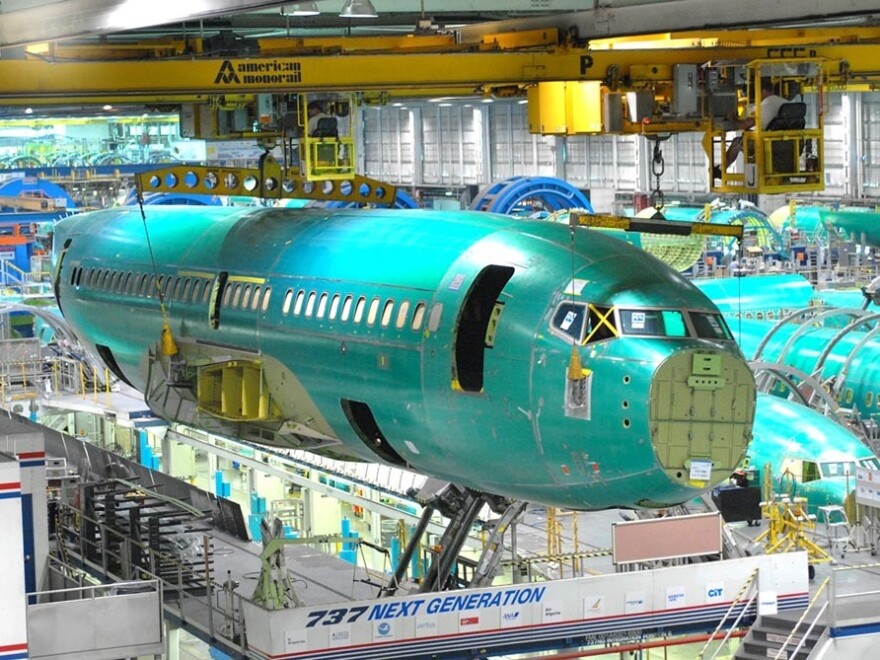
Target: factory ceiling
<point>30,21</point>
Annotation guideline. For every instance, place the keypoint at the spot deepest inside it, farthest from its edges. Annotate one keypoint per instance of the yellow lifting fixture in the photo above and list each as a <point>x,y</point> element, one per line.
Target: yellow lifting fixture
<point>268,181</point>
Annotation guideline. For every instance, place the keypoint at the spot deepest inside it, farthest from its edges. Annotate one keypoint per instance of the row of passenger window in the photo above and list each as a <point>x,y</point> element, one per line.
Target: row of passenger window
<point>312,304</point>
<point>246,295</point>
<point>146,285</point>
<point>185,289</point>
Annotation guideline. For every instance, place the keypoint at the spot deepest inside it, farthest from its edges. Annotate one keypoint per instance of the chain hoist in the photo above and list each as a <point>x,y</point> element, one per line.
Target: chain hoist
<point>658,167</point>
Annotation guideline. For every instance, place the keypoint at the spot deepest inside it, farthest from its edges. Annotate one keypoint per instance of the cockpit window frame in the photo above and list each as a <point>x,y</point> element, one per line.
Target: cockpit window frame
<point>605,322</point>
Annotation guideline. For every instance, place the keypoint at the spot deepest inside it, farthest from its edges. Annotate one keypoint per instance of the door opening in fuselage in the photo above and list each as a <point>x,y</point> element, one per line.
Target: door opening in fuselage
<point>475,329</point>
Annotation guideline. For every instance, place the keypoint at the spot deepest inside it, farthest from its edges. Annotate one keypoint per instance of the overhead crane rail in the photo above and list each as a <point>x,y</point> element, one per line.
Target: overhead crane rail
<point>411,66</point>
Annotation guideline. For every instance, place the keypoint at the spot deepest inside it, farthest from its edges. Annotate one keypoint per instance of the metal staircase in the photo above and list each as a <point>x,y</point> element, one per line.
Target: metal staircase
<point>784,637</point>
<point>769,634</point>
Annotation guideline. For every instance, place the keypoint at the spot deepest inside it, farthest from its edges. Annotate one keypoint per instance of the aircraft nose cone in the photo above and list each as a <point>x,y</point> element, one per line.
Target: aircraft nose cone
<point>701,409</point>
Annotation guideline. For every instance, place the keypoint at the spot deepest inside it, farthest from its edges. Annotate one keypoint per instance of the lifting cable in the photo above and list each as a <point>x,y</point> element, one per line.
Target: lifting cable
<point>168,346</point>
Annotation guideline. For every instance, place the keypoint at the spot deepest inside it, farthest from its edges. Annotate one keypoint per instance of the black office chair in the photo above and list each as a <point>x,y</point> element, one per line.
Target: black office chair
<point>791,117</point>
<point>326,128</point>
<point>784,153</point>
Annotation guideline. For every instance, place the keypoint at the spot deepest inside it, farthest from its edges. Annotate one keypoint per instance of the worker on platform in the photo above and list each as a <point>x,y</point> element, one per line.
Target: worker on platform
<point>316,114</point>
<point>770,104</point>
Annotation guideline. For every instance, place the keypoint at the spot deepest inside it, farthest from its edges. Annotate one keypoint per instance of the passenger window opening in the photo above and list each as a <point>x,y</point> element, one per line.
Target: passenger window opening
<point>373,312</point>
<point>435,317</point>
<point>267,295</point>
<point>402,313</point>
<point>246,297</point>
<point>473,325</point>
<point>346,309</point>
<point>300,299</point>
<point>359,309</point>
<point>334,307</point>
<point>418,316</point>
<point>255,301</point>
<point>322,306</point>
<point>310,304</point>
<point>387,313</point>
<point>288,299</point>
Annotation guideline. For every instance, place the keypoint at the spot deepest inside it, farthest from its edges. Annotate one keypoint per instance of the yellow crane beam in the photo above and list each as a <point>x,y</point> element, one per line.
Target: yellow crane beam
<point>851,55</point>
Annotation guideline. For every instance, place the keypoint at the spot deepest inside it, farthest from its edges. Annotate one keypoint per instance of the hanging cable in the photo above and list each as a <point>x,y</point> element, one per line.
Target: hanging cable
<point>168,345</point>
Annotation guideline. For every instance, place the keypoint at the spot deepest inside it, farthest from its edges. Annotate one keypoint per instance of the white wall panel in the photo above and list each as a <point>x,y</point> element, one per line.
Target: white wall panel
<point>869,146</point>
<point>513,150</point>
<point>479,143</point>
<point>838,142</point>
<point>451,139</point>
<point>388,149</point>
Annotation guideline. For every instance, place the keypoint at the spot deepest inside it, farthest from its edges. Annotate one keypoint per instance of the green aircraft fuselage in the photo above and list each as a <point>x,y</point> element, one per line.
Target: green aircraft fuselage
<point>439,342</point>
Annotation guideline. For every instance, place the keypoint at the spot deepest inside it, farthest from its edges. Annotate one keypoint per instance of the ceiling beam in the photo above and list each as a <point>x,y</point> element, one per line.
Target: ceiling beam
<point>677,15</point>
<point>77,18</point>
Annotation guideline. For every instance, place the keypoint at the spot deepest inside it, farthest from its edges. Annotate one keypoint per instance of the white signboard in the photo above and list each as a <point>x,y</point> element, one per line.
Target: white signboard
<point>715,592</point>
<point>675,597</point>
<point>492,618</point>
<point>552,611</point>
<point>635,602</point>
<point>701,470</point>
<point>594,606</point>
<point>767,603</point>
<point>868,487</point>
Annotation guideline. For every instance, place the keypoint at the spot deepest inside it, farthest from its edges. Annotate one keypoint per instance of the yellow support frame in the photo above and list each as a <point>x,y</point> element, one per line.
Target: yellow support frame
<point>268,182</point>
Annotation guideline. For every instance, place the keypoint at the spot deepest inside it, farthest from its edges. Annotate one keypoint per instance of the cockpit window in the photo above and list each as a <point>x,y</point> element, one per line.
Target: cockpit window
<point>838,468</point>
<point>710,326</point>
<point>653,322</point>
<point>569,318</point>
<point>870,463</point>
<point>601,324</point>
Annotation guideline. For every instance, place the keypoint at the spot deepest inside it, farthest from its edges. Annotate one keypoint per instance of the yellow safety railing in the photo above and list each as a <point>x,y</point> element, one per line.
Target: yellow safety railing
<point>750,581</point>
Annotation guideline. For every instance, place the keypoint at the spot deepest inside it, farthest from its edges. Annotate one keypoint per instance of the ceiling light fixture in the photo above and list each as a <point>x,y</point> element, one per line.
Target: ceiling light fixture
<point>301,9</point>
<point>358,9</point>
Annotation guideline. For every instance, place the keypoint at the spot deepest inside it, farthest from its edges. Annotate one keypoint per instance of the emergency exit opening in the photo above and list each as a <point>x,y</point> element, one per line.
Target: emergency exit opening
<point>473,332</point>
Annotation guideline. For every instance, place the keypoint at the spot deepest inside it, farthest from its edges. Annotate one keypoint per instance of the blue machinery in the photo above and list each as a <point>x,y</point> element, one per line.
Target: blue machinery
<point>520,195</point>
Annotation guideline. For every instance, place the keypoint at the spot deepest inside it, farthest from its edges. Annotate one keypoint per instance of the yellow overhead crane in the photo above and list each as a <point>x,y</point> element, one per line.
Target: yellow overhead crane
<point>653,86</point>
